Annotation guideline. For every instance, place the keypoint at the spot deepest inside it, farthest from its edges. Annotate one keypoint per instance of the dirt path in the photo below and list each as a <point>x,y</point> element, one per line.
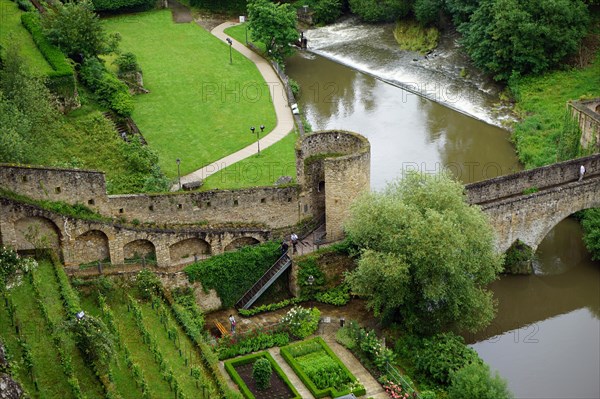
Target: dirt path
<point>181,14</point>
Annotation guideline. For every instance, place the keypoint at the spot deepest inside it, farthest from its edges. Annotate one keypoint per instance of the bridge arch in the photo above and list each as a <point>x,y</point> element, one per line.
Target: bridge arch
<point>188,249</point>
<point>37,232</point>
<point>239,242</point>
<point>92,246</point>
<point>138,249</point>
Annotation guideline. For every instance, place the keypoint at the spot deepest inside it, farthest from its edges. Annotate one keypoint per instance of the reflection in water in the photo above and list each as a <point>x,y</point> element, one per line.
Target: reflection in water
<point>406,131</point>
<point>545,339</point>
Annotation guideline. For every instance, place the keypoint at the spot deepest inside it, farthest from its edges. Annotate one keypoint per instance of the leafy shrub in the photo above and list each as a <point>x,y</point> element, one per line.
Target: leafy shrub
<point>337,296</point>
<point>591,230</point>
<point>380,10</point>
<point>148,284</point>
<point>127,62</point>
<point>302,322</point>
<point>295,86</point>
<point>231,346</point>
<point>369,344</point>
<point>327,11</point>
<point>427,12</point>
<point>268,307</point>
<point>475,381</point>
<point>261,373</point>
<point>112,5</point>
<point>94,340</point>
<point>233,273</point>
<point>111,92</point>
<point>307,267</point>
<point>10,263</point>
<point>25,5</point>
<point>437,357</point>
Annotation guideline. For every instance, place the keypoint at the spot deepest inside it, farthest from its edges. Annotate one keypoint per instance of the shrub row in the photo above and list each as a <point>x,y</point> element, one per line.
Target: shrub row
<point>62,77</point>
<point>231,346</point>
<point>113,5</point>
<point>222,272</point>
<point>231,364</point>
<point>355,387</point>
<point>269,307</point>
<point>111,92</point>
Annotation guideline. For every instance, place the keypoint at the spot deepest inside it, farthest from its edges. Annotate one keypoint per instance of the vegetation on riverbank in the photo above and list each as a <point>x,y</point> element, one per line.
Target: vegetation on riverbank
<point>412,36</point>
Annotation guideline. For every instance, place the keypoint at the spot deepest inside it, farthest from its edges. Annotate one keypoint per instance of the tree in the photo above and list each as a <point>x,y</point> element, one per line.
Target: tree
<point>426,255</point>
<point>261,373</point>
<point>475,381</point>
<point>505,37</point>
<point>461,10</point>
<point>76,29</point>
<point>274,25</point>
<point>380,10</point>
<point>427,12</point>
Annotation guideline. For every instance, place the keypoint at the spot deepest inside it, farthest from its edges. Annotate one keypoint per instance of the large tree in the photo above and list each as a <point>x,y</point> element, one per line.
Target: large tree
<point>524,36</point>
<point>427,255</point>
<point>76,29</point>
<point>274,25</point>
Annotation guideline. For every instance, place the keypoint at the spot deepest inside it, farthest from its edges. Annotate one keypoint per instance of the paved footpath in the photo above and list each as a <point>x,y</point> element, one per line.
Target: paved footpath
<point>285,119</point>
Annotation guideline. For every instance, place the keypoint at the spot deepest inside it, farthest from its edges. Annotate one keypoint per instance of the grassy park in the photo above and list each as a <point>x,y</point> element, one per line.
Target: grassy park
<point>239,32</point>
<point>13,31</point>
<point>200,106</point>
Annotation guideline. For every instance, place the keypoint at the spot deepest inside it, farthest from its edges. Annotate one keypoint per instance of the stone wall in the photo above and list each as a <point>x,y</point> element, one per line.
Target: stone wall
<point>587,115</point>
<point>517,183</point>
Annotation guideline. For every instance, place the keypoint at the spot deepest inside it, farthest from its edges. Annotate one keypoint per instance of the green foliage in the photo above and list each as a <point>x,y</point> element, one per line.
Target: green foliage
<point>337,296</point>
<point>368,344</point>
<point>436,358</point>
<point>233,273</point>
<point>231,346</point>
<point>295,86</point>
<point>268,307</point>
<point>427,12</point>
<point>413,36</point>
<point>235,7</point>
<point>326,11</point>
<point>51,53</point>
<point>11,263</point>
<point>380,10</point>
<point>320,369</point>
<point>261,373</point>
<point>427,255</point>
<point>461,10</point>
<point>508,37</point>
<point>112,5</point>
<point>301,322</point>
<point>148,284</point>
<point>274,25</point>
<point>308,266</point>
<point>94,340</point>
<point>518,254</point>
<point>476,381</point>
<point>591,230</point>
<point>127,62</point>
<point>111,92</point>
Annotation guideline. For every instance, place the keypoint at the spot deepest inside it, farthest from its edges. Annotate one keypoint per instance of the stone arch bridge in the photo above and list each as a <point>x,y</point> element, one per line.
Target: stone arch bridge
<point>527,205</point>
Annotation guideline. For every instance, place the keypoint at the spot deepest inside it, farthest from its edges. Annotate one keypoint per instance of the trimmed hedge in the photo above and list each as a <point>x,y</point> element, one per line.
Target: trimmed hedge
<point>112,5</point>
<point>233,273</point>
<point>318,393</point>
<point>240,361</point>
<point>62,77</point>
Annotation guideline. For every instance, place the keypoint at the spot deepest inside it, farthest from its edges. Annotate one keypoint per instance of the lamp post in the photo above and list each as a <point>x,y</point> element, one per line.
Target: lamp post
<point>310,280</point>
<point>253,129</point>
<point>178,172</point>
<point>230,45</point>
<point>246,33</point>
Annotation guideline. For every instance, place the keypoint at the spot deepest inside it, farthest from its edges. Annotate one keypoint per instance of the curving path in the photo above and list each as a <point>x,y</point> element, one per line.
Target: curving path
<point>285,119</point>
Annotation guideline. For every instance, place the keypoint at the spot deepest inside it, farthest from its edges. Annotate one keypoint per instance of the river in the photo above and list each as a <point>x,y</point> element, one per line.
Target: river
<point>545,339</point>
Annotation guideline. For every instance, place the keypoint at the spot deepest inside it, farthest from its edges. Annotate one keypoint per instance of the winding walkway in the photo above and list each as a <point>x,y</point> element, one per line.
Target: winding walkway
<point>285,119</point>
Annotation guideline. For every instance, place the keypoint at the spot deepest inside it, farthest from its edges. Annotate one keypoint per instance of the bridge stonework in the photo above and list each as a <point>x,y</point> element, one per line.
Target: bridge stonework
<point>527,205</point>
<point>258,211</point>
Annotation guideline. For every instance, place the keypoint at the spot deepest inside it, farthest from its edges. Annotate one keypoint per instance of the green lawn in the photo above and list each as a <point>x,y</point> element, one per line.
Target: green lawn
<point>200,107</point>
<point>273,162</point>
<point>238,32</point>
<point>11,30</point>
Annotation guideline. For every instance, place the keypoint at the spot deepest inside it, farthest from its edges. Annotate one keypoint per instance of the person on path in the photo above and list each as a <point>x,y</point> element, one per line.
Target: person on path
<point>294,238</point>
<point>284,247</point>
<point>581,172</point>
<point>232,321</point>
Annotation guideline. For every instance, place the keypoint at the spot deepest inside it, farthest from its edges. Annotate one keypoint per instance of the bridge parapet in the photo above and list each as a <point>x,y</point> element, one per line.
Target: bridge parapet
<point>539,178</point>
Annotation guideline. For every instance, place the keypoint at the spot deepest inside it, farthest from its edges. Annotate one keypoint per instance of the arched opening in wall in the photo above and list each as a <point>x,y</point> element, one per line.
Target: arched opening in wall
<point>241,242</point>
<point>563,251</point>
<point>92,246</point>
<point>139,251</point>
<point>321,186</point>
<point>598,108</point>
<point>37,233</point>
<point>189,250</point>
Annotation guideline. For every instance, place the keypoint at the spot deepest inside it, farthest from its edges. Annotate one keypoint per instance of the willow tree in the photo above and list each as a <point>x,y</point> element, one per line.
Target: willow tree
<point>427,255</point>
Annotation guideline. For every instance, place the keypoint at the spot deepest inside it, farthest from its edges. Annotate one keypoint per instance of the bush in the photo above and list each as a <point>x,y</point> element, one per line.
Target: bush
<point>475,381</point>
<point>233,273</point>
<point>380,10</point>
<point>127,62</point>
<point>427,12</point>
<point>261,373</point>
<point>148,284</point>
<point>302,322</point>
<point>591,230</point>
<point>112,5</point>
<point>25,5</point>
<point>111,92</point>
<point>295,87</point>
<point>337,296</point>
<point>231,346</point>
<point>327,11</point>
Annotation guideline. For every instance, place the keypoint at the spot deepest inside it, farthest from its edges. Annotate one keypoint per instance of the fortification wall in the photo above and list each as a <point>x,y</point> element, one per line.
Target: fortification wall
<point>587,115</point>
<point>517,183</point>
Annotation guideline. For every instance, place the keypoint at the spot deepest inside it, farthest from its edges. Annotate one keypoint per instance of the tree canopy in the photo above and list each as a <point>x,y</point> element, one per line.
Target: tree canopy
<point>504,37</point>
<point>274,25</point>
<point>426,255</point>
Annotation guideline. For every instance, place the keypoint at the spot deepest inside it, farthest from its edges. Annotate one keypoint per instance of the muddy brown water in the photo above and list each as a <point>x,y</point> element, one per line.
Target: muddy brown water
<point>545,339</point>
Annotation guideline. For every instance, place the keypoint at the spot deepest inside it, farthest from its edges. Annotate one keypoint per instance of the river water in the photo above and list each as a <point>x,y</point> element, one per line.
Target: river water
<point>545,339</point>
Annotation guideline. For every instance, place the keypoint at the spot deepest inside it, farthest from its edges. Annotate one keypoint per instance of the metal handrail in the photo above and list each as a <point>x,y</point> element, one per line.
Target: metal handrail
<point>277,263</point>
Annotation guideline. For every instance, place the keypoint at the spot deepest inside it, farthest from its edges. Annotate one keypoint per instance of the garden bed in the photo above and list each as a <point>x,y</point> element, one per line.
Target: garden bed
<point>323,373</point>
<point>240,370</point>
